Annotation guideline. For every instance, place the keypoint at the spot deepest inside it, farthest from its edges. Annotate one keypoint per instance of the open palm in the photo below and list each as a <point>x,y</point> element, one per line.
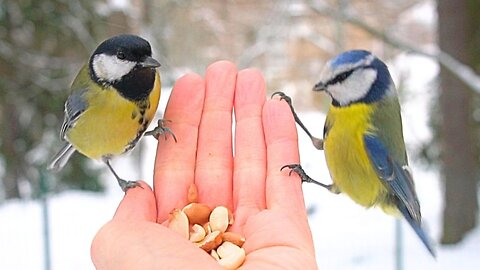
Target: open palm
<point>268,204</point>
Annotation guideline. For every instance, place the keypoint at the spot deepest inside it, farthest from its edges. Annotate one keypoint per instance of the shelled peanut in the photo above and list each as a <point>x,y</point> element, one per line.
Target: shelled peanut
<point>207,229</point>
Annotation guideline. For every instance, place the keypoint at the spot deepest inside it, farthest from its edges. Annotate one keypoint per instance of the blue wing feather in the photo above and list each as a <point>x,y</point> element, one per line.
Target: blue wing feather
<point>399,181</point>
<point>394,176</point>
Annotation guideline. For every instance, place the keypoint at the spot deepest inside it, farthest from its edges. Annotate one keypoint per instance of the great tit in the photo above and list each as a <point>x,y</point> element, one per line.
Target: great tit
<point>112,101</point>
<point>363,138</point>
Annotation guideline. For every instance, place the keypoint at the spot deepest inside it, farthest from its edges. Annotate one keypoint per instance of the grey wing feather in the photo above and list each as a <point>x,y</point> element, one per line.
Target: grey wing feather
<point>61,158</point>
<point>75,105</point>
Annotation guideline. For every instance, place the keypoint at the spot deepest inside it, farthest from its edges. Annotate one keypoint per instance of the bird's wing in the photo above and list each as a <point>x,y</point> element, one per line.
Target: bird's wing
<point>396,177</point>
<point>75,105</point>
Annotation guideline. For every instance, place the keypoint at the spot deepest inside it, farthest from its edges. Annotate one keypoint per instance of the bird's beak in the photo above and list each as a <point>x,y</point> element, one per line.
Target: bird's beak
<point>150,62</point>
<point>319,87</point>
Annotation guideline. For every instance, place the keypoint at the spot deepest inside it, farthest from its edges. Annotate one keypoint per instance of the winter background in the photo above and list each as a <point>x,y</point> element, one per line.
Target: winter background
<point>346,235</point>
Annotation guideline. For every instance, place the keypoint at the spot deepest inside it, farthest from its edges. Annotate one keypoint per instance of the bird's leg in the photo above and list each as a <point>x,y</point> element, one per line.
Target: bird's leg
<point>297,168</point>
<point>124,185</point>
<point>161,130</point>
<point>318,143</point>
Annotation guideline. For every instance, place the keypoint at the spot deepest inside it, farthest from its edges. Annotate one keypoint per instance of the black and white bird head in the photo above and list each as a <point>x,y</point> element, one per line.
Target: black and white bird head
<point>125,62</point>
<point>355,76</point>
<point>119,55</point>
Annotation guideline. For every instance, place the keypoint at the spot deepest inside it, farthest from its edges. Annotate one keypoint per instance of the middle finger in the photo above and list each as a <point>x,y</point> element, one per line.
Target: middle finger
<point>213,175</point>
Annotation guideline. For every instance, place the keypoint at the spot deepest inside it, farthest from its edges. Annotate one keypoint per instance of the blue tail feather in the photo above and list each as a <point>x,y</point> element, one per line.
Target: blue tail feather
<point>416,226</point>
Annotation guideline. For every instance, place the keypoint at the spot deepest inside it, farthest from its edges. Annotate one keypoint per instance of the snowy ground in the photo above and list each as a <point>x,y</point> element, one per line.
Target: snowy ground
<point>346,235</point>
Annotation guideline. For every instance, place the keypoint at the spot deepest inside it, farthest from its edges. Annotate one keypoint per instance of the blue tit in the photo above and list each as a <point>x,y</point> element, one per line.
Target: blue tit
<point>363,138</point>
<point>111,103</point>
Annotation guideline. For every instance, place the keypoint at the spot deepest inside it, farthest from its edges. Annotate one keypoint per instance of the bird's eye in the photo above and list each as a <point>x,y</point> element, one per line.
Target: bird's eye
<point>121,55</point>
<point>341,77</point>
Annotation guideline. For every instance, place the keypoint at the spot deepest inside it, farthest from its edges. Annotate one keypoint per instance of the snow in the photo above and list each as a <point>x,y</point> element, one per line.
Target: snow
<point>346,236</point>
<point>423,12</point>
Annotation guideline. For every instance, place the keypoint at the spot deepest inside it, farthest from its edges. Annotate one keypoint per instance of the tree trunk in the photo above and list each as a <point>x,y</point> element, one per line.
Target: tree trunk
<point>459,164</point>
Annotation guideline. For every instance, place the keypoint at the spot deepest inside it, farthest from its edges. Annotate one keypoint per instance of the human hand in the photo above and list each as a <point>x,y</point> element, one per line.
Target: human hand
<point>268,204</point>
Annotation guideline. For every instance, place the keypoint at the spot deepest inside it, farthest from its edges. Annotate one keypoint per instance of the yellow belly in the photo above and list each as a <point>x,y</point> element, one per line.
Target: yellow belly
<point>111,123</point>
<point>347,160</point>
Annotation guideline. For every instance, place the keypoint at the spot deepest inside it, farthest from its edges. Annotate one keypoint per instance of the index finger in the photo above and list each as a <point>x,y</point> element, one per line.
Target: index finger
<point>213,172</point>
<point>175,162</point>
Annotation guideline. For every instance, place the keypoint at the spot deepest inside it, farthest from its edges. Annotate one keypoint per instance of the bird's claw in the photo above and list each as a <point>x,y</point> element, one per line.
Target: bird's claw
<point>318,143</point>
<point>282,96</point>
<point>126,185</point>
<point>161,130</point>
<point>297,168</point>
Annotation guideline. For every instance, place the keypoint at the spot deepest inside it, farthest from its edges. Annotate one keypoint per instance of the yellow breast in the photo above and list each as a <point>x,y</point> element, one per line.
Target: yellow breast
<point>347,160</point>
<point>112,124</point>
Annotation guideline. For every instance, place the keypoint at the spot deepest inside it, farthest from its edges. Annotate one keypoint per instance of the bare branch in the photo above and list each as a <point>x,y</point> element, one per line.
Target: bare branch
<point>460,70</point>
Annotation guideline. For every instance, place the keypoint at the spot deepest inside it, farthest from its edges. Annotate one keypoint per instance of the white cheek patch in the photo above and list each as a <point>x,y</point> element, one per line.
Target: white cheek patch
<point>110,68</point>
<point>354,88</point>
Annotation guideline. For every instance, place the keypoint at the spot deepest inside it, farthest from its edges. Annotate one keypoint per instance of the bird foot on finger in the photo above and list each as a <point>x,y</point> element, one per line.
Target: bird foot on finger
<point>126,185</point>
<point>161,130</point>
<point>297,168</point>
<point>283,96</point>
<point>318,143</point>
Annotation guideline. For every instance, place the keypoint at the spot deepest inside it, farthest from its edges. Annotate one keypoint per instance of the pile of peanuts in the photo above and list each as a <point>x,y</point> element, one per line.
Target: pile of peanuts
<point>207,229</point>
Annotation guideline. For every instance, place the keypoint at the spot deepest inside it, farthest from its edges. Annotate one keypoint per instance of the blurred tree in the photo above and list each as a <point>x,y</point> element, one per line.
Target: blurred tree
<point>42,45</point>
<point>459,35</point>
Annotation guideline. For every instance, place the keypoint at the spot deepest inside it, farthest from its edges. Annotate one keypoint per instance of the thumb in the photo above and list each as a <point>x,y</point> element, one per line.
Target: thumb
<point>138,205</point>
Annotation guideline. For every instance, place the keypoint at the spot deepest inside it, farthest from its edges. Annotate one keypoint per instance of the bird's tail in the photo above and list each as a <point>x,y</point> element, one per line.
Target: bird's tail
<point>417,227</point>
<point>61,158</point>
